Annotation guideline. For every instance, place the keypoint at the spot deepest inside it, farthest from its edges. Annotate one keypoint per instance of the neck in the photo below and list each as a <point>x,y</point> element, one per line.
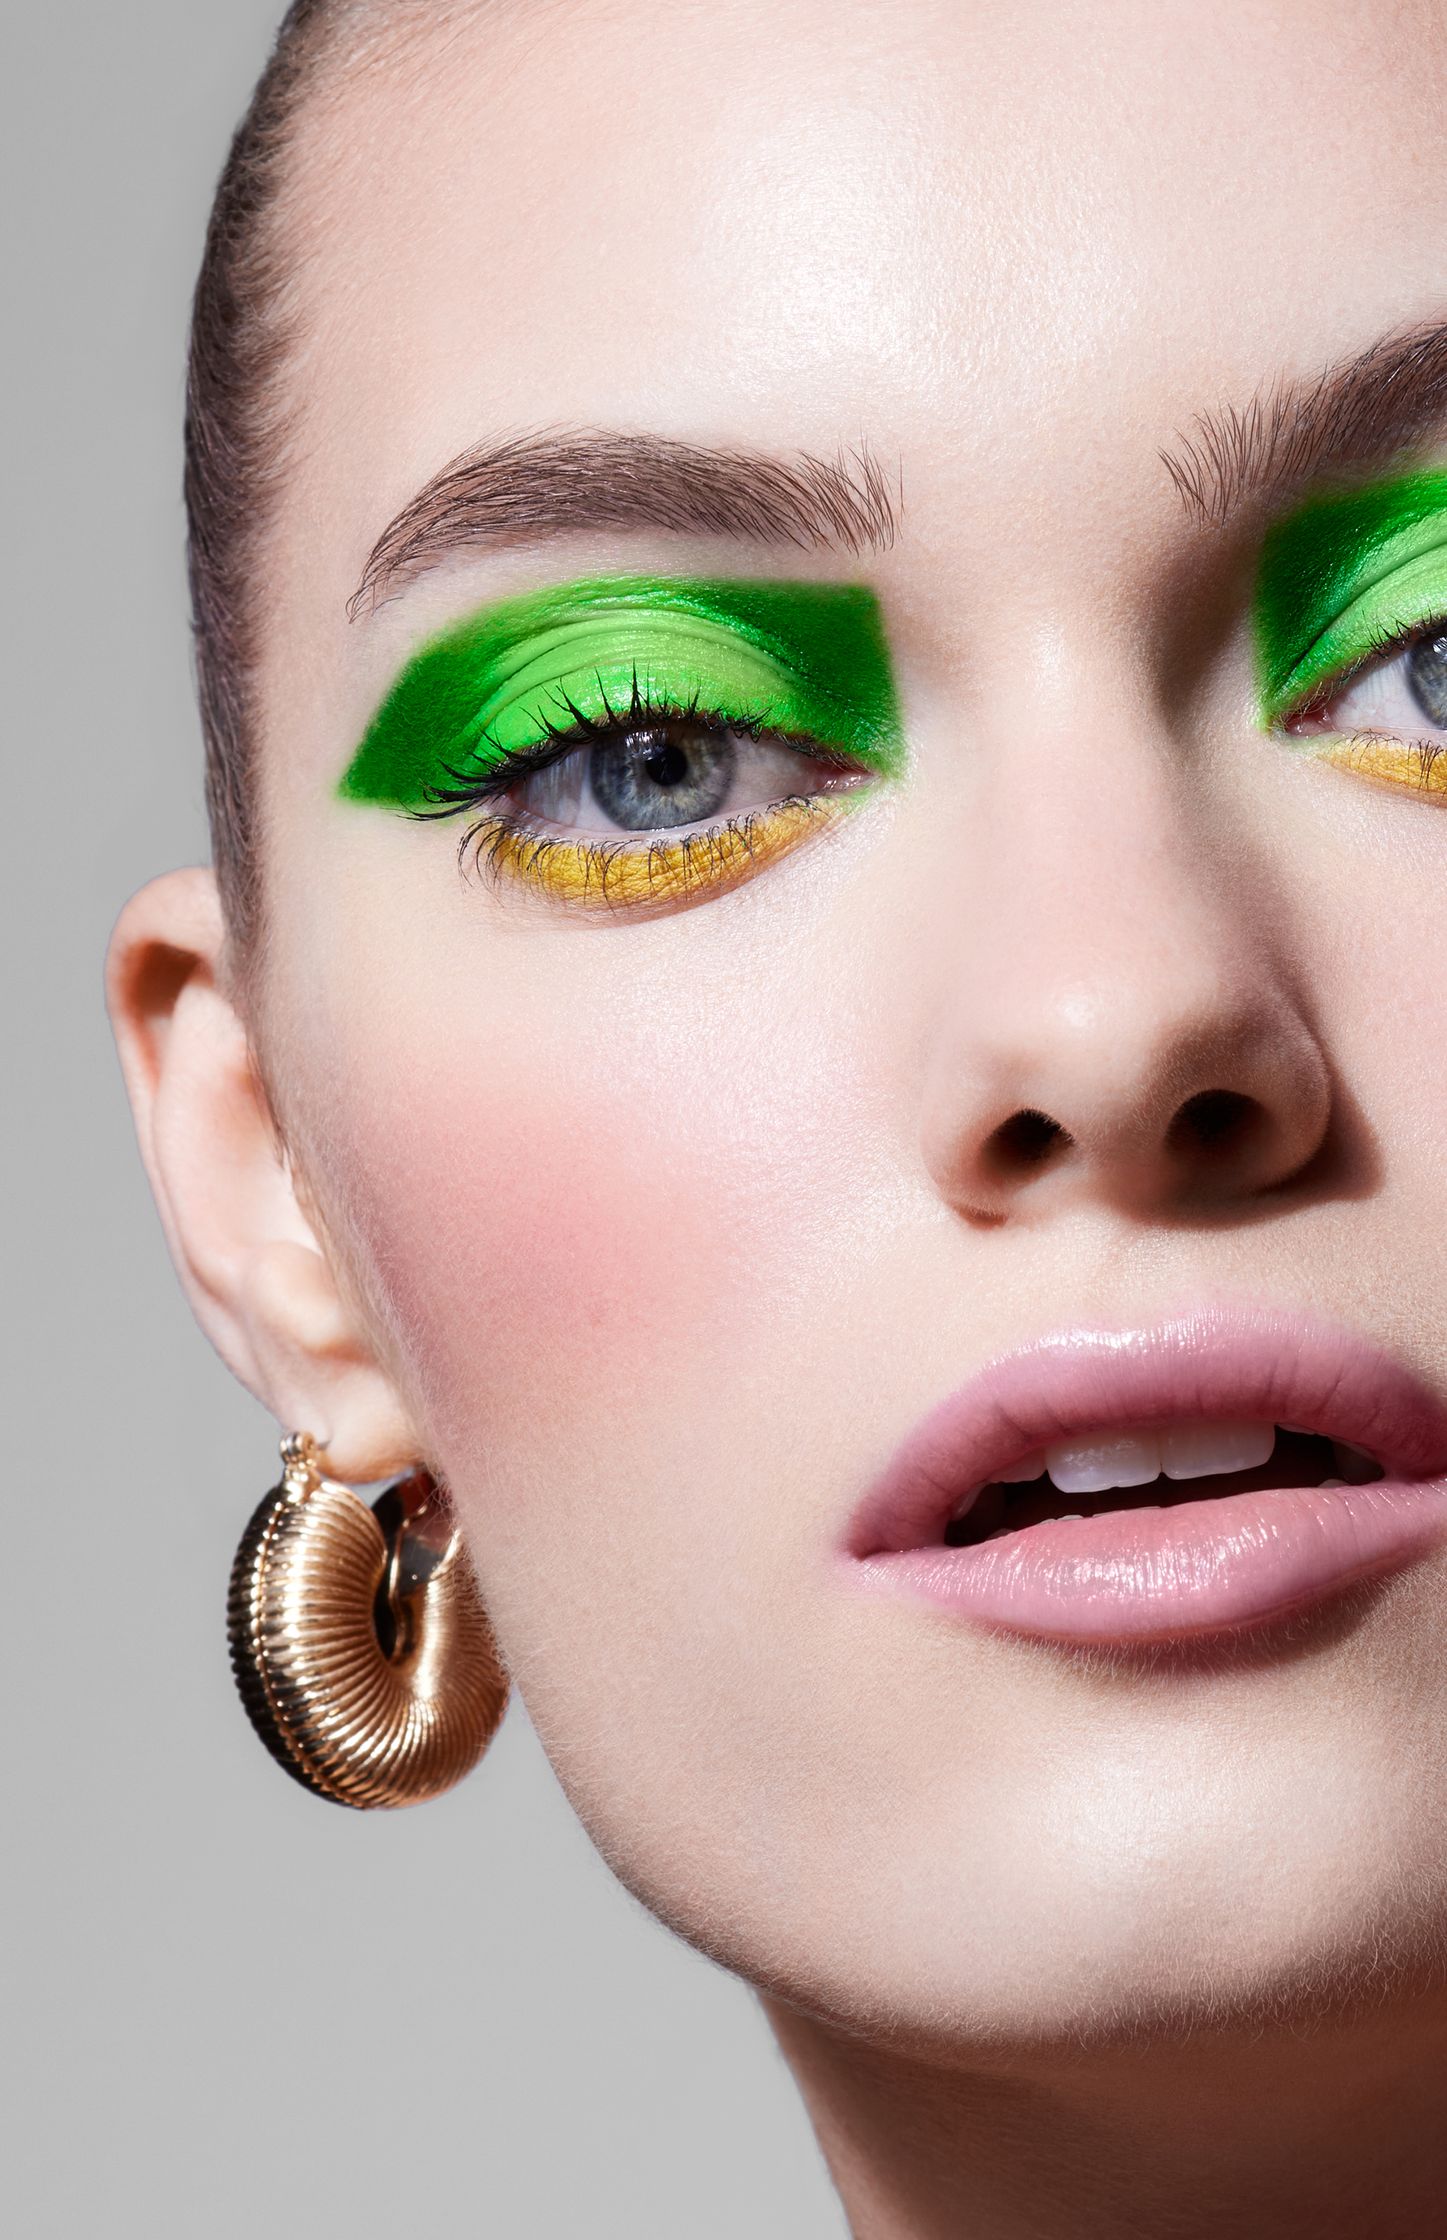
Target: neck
<point>1304,2134</point>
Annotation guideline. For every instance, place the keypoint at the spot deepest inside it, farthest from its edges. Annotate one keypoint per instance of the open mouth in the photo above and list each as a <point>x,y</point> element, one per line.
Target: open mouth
<point>1208,1473</point>
<point>1152,1467</point>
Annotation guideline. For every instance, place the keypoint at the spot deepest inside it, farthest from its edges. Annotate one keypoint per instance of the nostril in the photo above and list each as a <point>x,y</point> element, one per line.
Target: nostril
<point>1023,1144</point>
<point>1216,1125</point>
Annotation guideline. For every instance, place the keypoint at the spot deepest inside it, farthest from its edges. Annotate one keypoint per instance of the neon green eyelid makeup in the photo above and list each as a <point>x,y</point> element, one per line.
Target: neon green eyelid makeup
<point>804,660</point>
<point>1341,577</point>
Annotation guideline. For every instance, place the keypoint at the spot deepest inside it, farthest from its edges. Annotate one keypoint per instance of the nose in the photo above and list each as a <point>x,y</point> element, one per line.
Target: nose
<point>1120,1025</point>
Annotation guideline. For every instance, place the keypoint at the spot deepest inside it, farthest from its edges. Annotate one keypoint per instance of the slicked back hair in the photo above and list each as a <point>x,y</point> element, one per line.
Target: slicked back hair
<point>240,337</point>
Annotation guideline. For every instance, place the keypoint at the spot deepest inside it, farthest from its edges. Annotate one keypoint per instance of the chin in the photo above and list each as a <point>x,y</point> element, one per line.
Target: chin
<point>1138,1872</point>
<point>945,1986</point>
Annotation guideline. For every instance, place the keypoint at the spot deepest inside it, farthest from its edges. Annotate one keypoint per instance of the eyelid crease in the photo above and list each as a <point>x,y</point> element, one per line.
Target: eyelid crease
<point>601,658</point>
<point>1343,577</point>
<point>1398,602</point>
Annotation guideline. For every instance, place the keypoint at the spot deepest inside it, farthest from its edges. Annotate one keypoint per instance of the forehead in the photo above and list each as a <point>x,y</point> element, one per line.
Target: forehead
<point>1014,248</point>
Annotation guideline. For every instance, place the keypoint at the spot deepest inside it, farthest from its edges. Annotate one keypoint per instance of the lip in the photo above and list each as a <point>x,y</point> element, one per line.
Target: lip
<point>1219,1564</point>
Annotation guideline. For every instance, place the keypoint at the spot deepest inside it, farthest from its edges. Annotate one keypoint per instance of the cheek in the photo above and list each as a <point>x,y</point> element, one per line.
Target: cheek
<point>598,1226</point>
<point>1372,941</point>
<point>547,1250</point>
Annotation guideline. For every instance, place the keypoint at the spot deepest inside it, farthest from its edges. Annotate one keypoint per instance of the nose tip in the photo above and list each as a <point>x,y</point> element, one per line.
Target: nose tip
<point>1198,1121</point>
<point>1121,1018</point>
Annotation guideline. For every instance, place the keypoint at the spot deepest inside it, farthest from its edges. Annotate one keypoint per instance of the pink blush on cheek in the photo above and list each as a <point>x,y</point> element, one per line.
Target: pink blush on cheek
<point>586,1183</point>
<point>561,1278</point>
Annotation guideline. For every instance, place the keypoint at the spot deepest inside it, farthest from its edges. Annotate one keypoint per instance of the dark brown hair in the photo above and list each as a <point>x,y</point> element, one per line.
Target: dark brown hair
<point>240,337</point>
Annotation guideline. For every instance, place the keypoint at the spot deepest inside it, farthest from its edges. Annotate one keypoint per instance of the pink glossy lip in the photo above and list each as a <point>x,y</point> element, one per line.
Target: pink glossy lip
<point>1202,1566</point>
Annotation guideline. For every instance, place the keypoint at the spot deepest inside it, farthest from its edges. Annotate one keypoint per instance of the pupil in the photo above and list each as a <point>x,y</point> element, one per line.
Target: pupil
<point>667,765</point>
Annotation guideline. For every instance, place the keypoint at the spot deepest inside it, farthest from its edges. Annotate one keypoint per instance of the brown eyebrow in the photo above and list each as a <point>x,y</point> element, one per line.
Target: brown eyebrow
<point>1360,411</point>
<point>552,481</point>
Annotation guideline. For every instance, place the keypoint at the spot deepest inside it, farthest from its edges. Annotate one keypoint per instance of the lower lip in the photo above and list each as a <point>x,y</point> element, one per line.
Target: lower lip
<point>1198,1567</point>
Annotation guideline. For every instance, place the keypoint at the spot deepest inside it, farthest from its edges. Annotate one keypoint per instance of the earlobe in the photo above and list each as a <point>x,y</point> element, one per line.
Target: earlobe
<point>259,1278</point>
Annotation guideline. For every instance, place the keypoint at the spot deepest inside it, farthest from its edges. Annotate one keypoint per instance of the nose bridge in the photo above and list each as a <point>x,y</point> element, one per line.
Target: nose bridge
<point>1110,921</point>
<point>1119,1025</point>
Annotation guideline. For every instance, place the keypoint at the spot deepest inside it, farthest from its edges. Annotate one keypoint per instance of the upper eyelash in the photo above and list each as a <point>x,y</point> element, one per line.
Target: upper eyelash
<point>1386,642</point>
<point>508,764</point>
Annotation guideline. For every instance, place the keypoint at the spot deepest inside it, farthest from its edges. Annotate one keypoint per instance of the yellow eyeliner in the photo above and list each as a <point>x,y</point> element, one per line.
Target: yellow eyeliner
<point>624,873</point>
<point>1407,765</point>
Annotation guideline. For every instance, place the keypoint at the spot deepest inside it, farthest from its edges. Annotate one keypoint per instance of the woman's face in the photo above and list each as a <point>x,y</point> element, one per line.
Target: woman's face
<point>680,1209</point>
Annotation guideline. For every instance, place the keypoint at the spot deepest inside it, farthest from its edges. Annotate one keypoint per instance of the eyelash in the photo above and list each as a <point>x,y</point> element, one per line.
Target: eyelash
<point>635,868</point>
<point>1389,643</point>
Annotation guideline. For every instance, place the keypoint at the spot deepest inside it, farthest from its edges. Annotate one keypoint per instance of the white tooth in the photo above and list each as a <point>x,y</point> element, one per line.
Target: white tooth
<point>1031,1467</point>
<point>1205,1450</point>
<point>1330,1482</point>
<point>1071,1516</point>
<point>1095,1465</point>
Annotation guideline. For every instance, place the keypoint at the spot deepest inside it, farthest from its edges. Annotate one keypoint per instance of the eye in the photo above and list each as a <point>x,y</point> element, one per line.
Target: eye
<point>637,742</point>
<point>651,806</point>
<point>660,774</point>
<point>1401,694</point>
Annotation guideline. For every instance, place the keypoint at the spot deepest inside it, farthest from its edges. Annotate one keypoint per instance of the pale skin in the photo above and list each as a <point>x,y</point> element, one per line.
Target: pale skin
<point>653,1238</point>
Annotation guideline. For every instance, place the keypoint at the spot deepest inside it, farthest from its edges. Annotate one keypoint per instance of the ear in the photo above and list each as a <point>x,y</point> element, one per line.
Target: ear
<point>253,1265</point>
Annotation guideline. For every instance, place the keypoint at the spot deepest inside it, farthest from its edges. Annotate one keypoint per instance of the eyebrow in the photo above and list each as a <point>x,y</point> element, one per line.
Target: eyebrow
<point>552,481</point>
<point>1360,411</point>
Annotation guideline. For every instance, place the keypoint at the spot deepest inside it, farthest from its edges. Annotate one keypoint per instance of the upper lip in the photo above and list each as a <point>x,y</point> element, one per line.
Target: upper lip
<point>1228,1363</point>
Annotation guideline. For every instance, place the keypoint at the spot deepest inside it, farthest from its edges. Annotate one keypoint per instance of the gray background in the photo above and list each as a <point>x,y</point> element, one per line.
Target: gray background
<point>234,2010</point>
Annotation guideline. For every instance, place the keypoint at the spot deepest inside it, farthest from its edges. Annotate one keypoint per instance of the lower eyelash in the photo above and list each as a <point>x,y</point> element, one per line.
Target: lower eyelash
<point>1406,765</point>
<point>620,874</point>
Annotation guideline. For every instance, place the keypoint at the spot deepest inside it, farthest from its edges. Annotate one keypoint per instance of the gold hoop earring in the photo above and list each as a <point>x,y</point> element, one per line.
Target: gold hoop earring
<point>359,1641</point>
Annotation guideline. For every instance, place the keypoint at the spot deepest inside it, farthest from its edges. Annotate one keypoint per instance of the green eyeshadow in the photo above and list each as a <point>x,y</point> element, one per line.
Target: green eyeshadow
<point>807,660</point>
<point>1342,576</point>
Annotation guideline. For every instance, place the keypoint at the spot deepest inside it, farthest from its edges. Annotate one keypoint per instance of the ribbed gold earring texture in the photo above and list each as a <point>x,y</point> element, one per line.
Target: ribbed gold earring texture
<point>350,1721</point>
